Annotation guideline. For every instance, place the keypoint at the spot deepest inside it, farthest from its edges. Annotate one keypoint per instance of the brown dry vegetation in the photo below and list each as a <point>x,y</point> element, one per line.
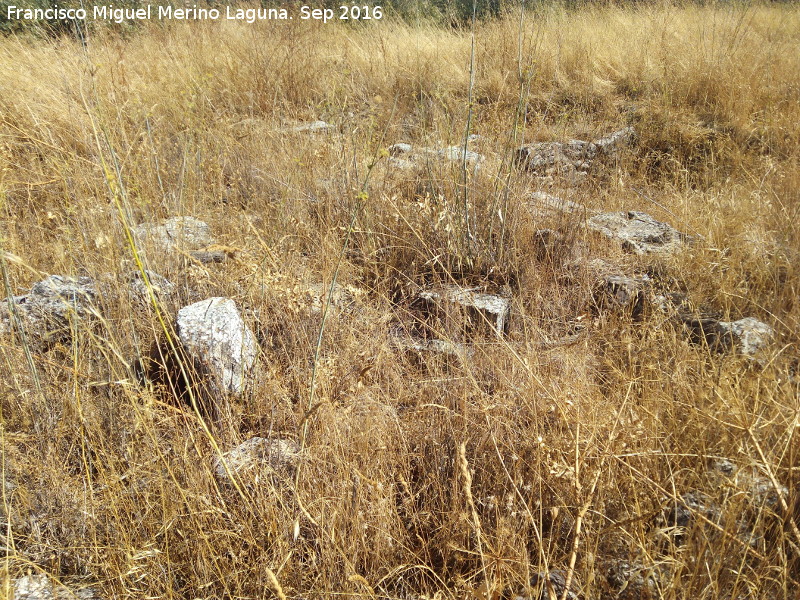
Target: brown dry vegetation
<point>423,475</point>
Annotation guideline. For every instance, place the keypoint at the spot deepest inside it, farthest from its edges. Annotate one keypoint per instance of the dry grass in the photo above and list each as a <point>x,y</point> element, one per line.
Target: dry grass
<point>428,476</point>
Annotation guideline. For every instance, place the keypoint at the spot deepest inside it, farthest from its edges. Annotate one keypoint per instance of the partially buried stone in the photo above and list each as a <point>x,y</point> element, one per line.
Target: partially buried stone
<point>274,455</point>
<point>553,584</point>
<point>749,335</point>
<point>162,287</point>
<point>185,234</point>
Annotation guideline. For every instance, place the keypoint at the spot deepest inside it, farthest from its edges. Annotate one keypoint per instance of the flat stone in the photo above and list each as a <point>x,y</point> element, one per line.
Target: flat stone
<point>40,586</point>
<point>638,231</point>
<point>313,127</point>
<point>273,455</point>
<point>495,309</point>
<point>176,234</point>
<point>212,332</point>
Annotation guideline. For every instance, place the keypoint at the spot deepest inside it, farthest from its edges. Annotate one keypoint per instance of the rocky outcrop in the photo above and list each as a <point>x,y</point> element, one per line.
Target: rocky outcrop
<point>51,307</point>
<point>638,231</point>
<point>260,455</point>
<point>571,158</point>
<point>214,335</point>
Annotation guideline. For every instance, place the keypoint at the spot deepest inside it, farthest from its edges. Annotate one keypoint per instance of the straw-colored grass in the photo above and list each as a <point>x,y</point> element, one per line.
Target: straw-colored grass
<point>423,476</point>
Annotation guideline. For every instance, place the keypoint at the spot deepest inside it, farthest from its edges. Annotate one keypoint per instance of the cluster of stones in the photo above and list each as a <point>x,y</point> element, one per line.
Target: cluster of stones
<point>639,233</point>
<point>216,340</point>
<point>754,496</point>
<point>572,160</point>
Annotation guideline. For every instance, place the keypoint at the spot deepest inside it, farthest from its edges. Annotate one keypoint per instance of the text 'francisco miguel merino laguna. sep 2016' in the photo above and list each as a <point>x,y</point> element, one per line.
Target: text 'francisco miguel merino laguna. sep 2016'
<point>111,13</point>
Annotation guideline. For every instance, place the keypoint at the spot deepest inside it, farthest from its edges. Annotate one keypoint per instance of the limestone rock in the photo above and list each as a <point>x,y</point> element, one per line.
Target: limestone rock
<point>51,305</point>
<point>749,335</point>
<point>272,455</point>
<point>313,127</point>
<point>40,586</point>
<point>639,232</point>
<point>162,287</point>
<point>405,157</point>
<point>572,157</point>
<point>489,307</point>
<point>182,234</point>
<point>213,333</point>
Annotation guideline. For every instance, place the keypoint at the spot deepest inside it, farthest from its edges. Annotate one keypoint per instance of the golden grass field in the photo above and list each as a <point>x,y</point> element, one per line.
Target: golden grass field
<point>422,476</point>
